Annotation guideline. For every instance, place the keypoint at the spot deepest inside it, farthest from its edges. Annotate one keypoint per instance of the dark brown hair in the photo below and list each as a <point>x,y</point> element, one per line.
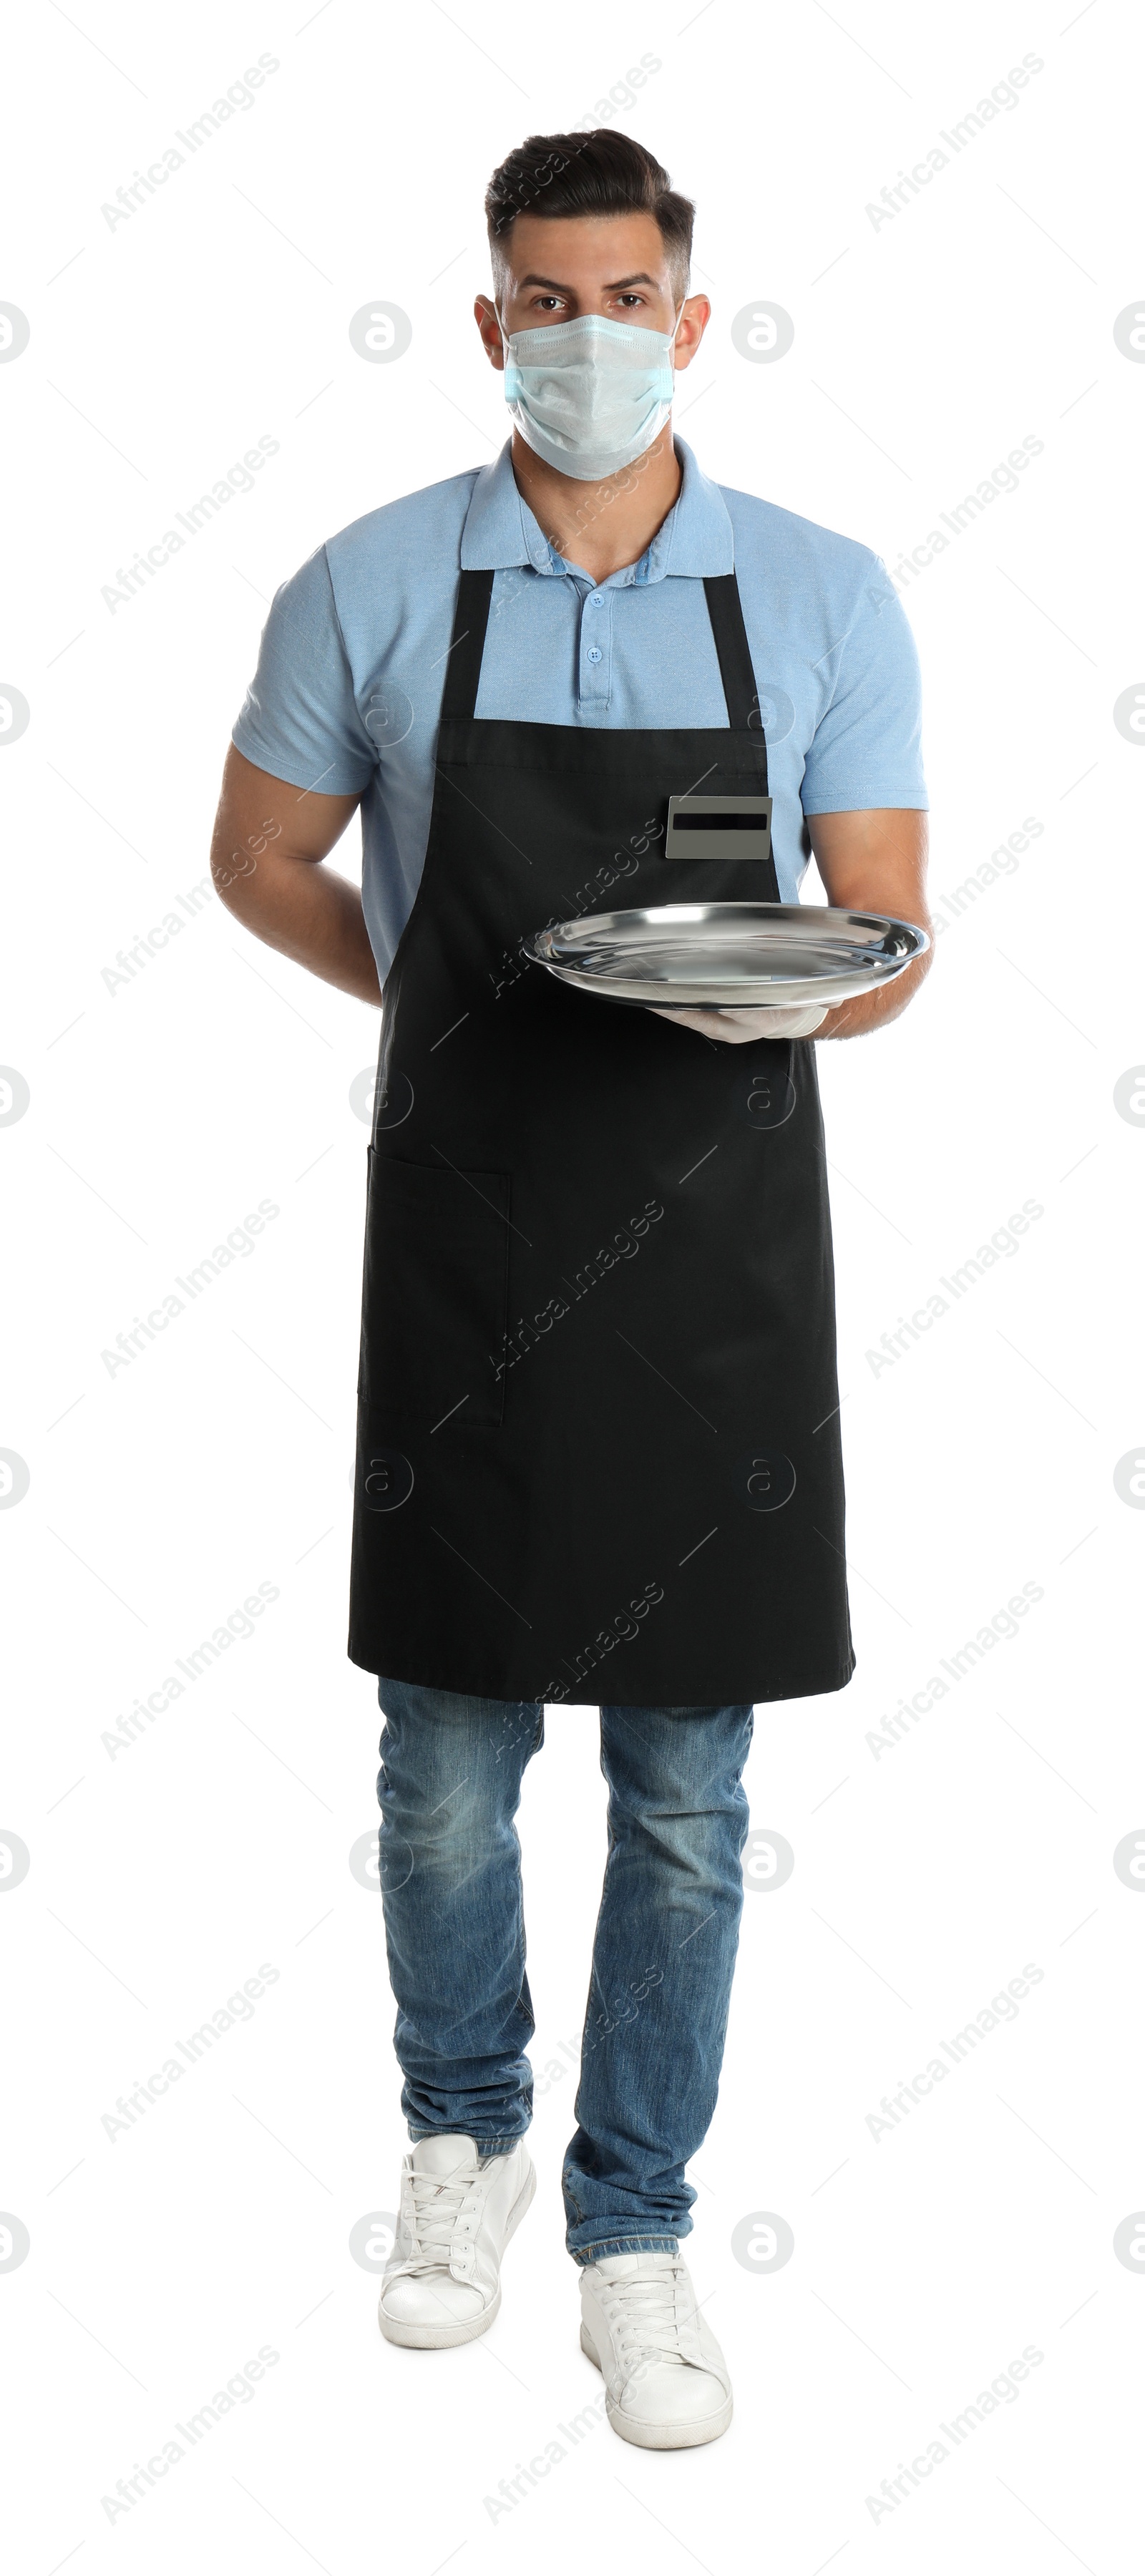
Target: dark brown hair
<point>596,173</point>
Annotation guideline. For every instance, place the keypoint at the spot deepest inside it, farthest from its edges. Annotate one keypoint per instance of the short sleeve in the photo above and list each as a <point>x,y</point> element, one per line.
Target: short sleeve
<point>300,720</point>
<point>867,746</point>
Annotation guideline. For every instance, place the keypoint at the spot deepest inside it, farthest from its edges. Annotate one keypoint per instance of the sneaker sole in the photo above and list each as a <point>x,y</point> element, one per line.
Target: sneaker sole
<point>442,2338</point>
<point>658,2437</point>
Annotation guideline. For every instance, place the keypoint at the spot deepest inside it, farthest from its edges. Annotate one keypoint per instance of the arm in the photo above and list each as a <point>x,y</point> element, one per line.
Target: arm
<point>874,862</point>
<point>266,853</point>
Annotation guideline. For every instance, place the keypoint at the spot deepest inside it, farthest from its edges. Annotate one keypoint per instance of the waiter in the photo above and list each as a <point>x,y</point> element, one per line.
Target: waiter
<point>598,1436</point>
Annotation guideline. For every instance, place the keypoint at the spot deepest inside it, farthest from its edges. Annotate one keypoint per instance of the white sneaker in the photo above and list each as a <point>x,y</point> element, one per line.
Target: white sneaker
<point>442,2282</point>
<point>666,2379</point>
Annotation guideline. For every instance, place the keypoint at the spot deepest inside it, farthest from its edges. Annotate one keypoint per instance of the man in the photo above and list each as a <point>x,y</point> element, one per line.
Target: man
<point>597,1401</point>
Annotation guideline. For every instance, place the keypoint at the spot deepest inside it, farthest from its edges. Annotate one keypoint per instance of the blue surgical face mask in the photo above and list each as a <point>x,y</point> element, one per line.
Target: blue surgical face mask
<point>591,395</point>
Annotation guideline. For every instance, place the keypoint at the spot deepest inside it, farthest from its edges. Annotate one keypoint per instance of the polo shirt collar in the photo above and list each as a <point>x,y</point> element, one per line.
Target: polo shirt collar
<point>500,529</point>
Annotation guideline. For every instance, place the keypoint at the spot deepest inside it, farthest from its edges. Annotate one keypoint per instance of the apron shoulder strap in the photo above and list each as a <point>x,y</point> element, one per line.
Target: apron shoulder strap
<point>463,667</point>
<point>730,635</point>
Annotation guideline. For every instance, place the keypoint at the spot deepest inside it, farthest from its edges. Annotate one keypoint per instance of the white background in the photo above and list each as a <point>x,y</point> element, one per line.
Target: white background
<point>982,1459</point>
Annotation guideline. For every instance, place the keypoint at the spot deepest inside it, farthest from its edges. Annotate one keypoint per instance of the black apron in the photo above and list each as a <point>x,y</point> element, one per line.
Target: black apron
<point>598,1417</point>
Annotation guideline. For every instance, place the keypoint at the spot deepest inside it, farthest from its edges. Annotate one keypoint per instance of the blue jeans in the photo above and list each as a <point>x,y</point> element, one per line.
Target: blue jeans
<point>663,1956</point>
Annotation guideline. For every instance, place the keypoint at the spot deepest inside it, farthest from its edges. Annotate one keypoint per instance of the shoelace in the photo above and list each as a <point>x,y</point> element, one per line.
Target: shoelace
<point>437,2206</point>
<point>643,2315</point>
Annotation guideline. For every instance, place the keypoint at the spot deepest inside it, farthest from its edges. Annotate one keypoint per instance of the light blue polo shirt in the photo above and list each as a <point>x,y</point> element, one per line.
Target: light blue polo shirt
<point>347,694</point>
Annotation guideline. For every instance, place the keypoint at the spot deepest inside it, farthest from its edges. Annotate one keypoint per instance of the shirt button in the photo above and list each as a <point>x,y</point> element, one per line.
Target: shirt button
<point>594,653</point>
<point>598,599</point>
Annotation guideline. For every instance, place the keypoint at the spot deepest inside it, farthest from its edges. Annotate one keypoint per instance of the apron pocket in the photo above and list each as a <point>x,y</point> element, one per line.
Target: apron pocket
<point>435,1293</point>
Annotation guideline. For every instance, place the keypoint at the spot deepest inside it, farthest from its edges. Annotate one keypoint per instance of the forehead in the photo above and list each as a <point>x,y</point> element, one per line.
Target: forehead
<point>576,249</point>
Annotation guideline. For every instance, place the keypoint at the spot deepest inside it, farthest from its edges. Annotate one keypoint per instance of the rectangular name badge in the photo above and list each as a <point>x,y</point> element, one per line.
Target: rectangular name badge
<point>718,827</point>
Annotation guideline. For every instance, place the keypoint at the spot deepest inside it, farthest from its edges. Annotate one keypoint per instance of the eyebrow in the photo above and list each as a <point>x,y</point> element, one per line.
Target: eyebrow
<point>615,287</point>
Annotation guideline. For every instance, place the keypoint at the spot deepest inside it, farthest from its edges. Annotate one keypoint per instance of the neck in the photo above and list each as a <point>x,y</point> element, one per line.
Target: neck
<point>601,526</point>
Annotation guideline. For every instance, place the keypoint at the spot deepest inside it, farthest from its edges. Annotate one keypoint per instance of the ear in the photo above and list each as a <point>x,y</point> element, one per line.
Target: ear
<point>690,329</point>
<point>485,316</point>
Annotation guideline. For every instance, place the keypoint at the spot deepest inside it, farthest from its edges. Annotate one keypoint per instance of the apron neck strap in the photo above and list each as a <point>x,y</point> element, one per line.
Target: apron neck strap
<point>721,591</point>
<point>463,668</point>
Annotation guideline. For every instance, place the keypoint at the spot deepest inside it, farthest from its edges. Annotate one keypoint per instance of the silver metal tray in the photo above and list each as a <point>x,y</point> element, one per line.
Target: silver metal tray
<point>731,954</point>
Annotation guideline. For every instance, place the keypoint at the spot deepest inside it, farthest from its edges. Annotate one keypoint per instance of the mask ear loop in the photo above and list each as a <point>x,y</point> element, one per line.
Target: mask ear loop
<point>672,341</point>
<point>506,341</point>
<point>675,328</point>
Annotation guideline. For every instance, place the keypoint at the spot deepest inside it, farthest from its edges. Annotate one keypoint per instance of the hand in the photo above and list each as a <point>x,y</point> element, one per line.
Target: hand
<point>743,1028</point>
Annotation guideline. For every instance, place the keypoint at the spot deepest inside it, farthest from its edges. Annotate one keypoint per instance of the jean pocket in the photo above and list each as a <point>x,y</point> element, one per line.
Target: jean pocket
<point>435,1293</point>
